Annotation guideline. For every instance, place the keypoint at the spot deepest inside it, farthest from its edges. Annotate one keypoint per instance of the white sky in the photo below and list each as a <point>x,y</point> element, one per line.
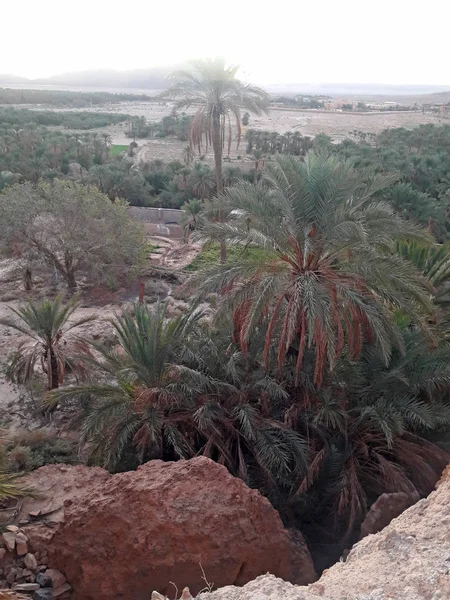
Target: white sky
<point>275,41</point>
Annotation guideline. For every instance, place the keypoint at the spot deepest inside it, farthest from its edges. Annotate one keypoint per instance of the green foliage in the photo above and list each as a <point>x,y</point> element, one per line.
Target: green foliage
<point>28,450</point>
<point>301,101</point>
<point>335,271</point>
<point>271,142</point>
<point>36,152</point>
<point>167,395</point>
<point>210,256</point>
<point>116,149</point>
<point>421,156</point>
<point>71,228</point>
<point>65,98</point>
<point>48,348</point>
<point>173,125</point>
<point>322,377</point>
<point>20,117</point>
<point>122,179</point>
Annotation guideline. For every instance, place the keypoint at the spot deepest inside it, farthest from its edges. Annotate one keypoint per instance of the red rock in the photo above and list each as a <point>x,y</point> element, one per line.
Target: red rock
<point>30,562</point>
<point>57,484</point>
<point>61,590</point>
<point>386,508</point>
<point>2,553</point>
<point>21,543</point>
<point>134,532</point>
<point>58,579</point>
<point>10,540</point>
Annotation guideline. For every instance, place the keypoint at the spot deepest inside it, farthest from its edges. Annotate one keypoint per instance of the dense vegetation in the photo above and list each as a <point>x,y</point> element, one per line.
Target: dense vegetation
<point>301,101</point>
<point>219,97</point>
<point>271,142</point>
<point>322,379</point>
<point>65,98</point>
<point>72,229</point>
<point>22,117</point>
<point>420,156</point>
<point>174,125</point>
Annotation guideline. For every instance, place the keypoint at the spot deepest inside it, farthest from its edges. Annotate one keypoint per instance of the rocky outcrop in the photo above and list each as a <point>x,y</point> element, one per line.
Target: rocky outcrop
<point>386,508</point>
<point>408,560</point>
<point>124,535</point>
<point>55,485</point>
<point>23,568</point>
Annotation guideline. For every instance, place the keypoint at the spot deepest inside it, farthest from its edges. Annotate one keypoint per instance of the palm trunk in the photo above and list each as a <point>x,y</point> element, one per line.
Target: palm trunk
<point>51,369</point>
<point>70,274</point>
<point>27,279</point>
<point>217,147</point>
<point>71,282</point>
<point>54,371</point>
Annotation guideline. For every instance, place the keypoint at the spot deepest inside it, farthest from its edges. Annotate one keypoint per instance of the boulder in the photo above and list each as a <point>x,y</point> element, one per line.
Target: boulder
<point>386,508</point>
<point>10,540</point>
<point>56,577</point>
<point>266,587</point>
<point>21,543</point>
<point>408,560</point>
<point>135,532</point>
<point>55,485</point>
<point>30,562</point>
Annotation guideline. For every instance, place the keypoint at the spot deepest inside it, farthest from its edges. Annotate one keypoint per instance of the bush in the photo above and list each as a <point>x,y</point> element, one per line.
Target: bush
<point>19,459</point>
<point>210,255</point>
<point>28,450</point>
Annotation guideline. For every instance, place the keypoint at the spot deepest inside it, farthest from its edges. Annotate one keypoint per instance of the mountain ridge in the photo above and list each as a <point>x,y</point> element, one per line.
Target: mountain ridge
<point>155,78</point>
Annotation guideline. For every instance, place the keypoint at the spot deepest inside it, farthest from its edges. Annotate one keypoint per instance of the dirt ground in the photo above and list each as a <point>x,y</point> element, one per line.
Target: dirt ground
<point>169,255</point>
<point>338,125</point>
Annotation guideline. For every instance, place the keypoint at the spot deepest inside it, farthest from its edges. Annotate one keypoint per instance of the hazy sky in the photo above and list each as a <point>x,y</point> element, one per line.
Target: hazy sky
<point>385,41</point>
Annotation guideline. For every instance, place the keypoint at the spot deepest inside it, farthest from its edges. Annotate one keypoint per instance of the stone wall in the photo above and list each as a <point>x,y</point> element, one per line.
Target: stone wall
<point>159,221</point>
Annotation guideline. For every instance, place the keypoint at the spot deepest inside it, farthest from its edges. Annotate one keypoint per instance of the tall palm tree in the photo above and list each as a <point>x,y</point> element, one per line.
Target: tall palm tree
<point>46,324</point>
<point>213,88</point>
<point>328,274</point>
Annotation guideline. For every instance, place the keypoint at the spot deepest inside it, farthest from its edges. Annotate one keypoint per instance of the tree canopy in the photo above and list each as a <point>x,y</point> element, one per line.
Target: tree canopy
<point>72,228</point>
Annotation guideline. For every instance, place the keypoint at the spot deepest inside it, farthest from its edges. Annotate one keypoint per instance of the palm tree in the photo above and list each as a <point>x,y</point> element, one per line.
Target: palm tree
<point>202,181</point>
<point>369,429</point>
<point>191,216</point>
<point>219,96</point>
<point>46,324</point>
<point>173,390</point>
<point>433,261</point>
<point>144,402</point>
<point>231,176</point>
<point>188,155</point>
<point>327,275</point>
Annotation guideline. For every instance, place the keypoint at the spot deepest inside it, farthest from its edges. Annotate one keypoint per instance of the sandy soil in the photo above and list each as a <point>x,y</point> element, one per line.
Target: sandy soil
<point>171,255</point>
<point>338,125</point>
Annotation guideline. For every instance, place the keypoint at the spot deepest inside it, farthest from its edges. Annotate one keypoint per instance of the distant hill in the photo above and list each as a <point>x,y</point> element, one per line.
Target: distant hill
<point>106,78</point>
<point>155,79</point>
<point>138,78</point>
<point>13,79</point>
